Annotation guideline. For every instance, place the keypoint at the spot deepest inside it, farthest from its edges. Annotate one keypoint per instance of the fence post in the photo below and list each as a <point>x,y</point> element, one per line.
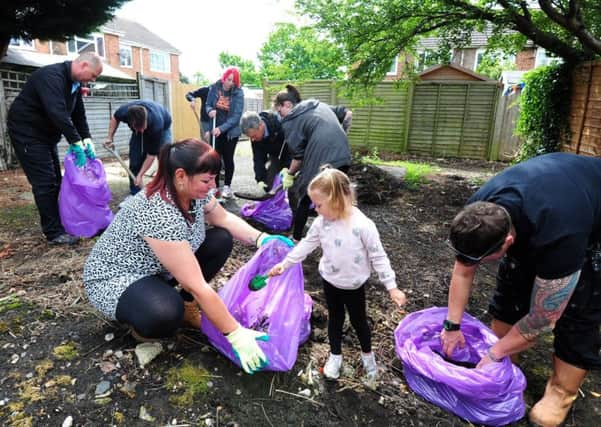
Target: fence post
<point>436,114</point>
<point>408,110</point>
<point>492,145</point>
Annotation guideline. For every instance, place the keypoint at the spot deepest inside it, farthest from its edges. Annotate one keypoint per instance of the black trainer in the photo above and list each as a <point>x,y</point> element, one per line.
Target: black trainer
<point>64,239</point>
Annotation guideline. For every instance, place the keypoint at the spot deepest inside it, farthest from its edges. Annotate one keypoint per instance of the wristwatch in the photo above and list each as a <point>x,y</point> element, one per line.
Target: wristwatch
<point>450,326</point>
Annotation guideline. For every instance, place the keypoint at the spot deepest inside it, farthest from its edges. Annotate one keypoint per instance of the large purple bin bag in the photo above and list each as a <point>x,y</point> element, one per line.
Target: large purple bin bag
<point>84,198</point>
<point>492,395</point>
<point>281,308</point>
<point>274,213</point>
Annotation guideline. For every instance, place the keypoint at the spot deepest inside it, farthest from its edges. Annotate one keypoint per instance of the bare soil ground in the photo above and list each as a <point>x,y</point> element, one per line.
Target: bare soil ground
<point>59,358</point>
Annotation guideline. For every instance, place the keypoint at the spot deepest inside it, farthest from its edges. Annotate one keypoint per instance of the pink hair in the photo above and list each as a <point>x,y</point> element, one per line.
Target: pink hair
<point>235,72</point>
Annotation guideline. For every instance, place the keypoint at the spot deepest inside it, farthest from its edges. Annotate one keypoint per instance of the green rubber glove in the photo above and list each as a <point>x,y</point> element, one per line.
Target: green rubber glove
<point>287,179</point>
<point>89,148</point>
<point>244,344</point>
<point>77,149</point>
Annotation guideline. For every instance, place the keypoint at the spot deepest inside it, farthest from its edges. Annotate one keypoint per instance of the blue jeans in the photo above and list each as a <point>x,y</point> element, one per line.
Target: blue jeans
<point>138,153</point>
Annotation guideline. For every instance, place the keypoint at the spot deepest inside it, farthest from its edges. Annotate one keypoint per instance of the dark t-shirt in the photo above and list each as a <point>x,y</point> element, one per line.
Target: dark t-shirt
<point>555,204</point>
<point>157,121</point>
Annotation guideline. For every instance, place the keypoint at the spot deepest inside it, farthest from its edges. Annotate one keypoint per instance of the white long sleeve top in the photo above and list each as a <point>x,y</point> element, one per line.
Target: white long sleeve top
<point>350,246</point>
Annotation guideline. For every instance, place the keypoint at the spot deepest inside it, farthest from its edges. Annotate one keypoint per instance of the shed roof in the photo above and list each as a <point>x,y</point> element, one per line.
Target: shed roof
<point>451,72</point>
<point>135,33</point>
<point>36,60</point>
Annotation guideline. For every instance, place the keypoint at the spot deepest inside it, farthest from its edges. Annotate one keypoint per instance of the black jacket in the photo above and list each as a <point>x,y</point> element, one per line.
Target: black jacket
<point>46,108</point>
<point>201,93</point>
<point>270,148</point>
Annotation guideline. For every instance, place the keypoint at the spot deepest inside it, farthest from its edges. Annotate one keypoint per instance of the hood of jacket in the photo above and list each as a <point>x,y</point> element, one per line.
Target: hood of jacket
<point>301,108</point>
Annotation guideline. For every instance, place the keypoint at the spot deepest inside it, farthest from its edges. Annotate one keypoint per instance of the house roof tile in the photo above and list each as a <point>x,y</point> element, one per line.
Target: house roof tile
<point>138,34</point>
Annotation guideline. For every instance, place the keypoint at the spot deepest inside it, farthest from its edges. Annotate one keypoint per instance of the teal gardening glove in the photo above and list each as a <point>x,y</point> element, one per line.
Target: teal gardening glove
<point>89,148</point>
<point>287,179</point>
<point>77,149</point>
<point>244,344</point>
<point>264,238</point>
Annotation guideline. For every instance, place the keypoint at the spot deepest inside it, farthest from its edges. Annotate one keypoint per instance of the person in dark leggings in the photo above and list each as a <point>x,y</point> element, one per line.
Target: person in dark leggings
<point>225,103</point>
<point>351,246</point>
<point>159,239</point>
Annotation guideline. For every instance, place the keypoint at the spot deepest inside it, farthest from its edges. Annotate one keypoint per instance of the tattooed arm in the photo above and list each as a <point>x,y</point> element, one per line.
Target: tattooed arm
<point>548,301</point>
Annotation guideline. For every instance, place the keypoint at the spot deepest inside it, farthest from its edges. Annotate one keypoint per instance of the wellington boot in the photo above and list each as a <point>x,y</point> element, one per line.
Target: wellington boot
<point>191,315</point>
<point>139,338</point>
<point>501,329</point>
<point>560,393</point>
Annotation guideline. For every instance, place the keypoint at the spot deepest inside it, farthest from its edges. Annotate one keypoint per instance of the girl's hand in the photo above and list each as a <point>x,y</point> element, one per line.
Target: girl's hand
<point>398,297</point>
<point>276,270</point>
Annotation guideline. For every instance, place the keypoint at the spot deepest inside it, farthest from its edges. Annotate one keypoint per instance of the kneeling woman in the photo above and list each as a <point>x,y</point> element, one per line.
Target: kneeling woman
<point>159,239</point>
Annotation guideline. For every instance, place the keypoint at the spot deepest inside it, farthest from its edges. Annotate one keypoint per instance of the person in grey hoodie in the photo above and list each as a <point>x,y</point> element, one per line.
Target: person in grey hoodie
<point>314,138</point>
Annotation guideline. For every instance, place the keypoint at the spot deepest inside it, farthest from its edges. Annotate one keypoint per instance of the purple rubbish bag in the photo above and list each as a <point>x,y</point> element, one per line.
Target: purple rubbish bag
<point>274,213</point>
<point>281,309</point>
<point>492,395</point>
<point>84,197</point>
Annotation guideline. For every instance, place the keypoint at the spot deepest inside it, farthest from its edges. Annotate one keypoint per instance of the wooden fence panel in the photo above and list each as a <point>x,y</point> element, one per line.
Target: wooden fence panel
<point>448,118</point>
<point>185,124</point>
<point>585,110</point>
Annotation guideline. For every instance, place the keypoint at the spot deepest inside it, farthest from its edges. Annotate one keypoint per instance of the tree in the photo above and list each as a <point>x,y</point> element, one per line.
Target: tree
<point>199,79</point>
<point>52,19</point>
<point>372,32</point>
<point>293,53</point>
<point>249,75</point>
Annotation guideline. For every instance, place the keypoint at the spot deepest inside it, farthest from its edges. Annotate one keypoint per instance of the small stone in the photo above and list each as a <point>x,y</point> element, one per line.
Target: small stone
<point>68,422</point>
<point>14,358</point>
<point>381,400</point>
<point>119,354</point>
<point>209,384</point>
<point>29,375</point>
<point>238,392</point>
<point>209,422</point>
<point>102,389</point>
<point>306,392</point>
<point>109,337</point>
<point>144,415</point>
<point>148,351</point>
<point>108,353</point>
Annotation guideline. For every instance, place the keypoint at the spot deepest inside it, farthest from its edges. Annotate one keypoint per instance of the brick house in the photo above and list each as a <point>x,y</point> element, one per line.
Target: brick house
<point>470,55</point>
<point>123,44</point>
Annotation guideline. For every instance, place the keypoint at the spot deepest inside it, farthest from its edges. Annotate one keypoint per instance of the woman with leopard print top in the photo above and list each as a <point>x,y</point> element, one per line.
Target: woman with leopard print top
<point>159,239</point>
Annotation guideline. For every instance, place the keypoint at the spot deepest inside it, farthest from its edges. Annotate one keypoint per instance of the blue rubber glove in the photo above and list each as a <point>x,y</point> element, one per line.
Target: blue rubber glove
<point>244,344</point>
<point>287,179</point>
<point>89,148</point>
<point>77,149</point>
<point>269,237</point>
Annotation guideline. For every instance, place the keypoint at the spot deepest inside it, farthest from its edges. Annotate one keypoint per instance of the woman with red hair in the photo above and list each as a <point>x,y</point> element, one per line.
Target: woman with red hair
<point>225,103</point>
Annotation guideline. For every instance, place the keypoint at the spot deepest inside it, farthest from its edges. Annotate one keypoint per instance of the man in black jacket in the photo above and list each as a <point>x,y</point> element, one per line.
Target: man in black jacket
<point>51,105</point>
<point>270,155</point>
<point>205,121</point>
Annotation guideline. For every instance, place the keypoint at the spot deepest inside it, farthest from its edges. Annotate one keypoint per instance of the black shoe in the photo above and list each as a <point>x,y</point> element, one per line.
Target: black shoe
<point>64,239</point>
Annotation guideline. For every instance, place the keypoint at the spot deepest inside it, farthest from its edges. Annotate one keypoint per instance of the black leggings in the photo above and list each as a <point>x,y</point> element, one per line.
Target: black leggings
<point>153,307</point>
<point>354,301</point>
<point>226,149</point>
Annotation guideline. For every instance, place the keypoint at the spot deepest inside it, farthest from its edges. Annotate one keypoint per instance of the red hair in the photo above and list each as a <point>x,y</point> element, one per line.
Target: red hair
<point>235,72</point>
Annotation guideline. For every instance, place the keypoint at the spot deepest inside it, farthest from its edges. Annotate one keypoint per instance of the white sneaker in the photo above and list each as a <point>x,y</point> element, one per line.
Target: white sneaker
<point>332,368</point>
<point>371,369</point>
<point>227,192</point>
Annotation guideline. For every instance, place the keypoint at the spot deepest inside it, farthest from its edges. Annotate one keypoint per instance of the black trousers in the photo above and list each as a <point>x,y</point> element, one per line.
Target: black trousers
<point>153,307</point>
<point>577,340</point>
<point>354,301</point>
<point>41,165</point>
<point>226,149</point>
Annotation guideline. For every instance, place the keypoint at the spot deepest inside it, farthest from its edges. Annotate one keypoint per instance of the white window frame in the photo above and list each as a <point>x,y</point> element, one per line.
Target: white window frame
<point>19,43</point>
<point>91,39</point>
<point>394,67</point>
<point>479,52</point>
<point>131,55</point>
<point>426,53</point>
<point>541,59</point>
<point>167,58</point>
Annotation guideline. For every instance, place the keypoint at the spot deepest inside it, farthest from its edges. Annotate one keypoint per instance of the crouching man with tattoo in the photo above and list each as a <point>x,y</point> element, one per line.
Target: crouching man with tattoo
<point>543,218</point>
